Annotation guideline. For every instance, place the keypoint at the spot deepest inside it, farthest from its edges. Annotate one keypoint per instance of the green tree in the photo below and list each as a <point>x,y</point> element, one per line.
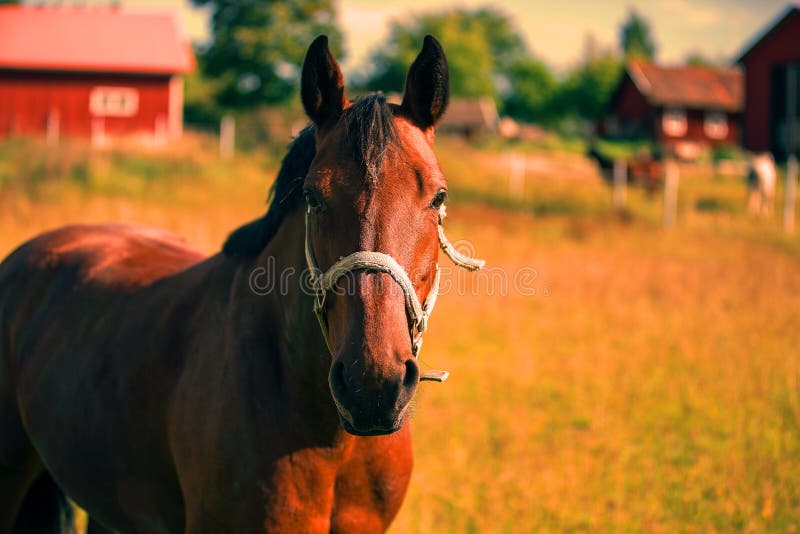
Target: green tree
<point>697,59</point>
<point>481,47</point>
<point>636,40</point>
<point>200,107</point>
<point>587,89</point>
<point>505,43</point>
<point>531,90</point>
<point>258,47</point>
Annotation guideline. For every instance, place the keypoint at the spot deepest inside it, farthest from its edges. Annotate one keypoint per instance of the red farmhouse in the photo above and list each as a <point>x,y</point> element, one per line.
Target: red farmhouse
<point>767,61</point>
<point>683,108</point>
<point>91,72</point>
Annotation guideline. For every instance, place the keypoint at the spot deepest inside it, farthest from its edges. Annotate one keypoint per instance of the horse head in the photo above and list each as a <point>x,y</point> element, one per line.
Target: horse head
<point>374,192</point>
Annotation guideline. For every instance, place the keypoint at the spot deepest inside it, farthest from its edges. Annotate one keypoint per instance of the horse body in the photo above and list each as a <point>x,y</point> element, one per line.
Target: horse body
<point>70,342</point>
<point>145,424</point>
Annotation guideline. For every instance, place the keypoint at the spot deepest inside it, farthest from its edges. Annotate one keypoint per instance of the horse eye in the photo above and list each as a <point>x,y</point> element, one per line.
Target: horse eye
<point>313,200</point>
<point>439,199</point>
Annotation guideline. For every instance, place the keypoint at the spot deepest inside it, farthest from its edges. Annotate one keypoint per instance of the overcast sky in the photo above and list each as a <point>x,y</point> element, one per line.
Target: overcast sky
<point>555,31</point>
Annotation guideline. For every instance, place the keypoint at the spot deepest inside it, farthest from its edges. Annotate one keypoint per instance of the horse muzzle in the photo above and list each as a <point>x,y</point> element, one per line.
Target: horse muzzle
<point>371,405</point>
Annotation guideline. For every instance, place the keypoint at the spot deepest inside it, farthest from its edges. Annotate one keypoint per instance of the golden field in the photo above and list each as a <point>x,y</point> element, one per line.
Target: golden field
<point>650,384</point>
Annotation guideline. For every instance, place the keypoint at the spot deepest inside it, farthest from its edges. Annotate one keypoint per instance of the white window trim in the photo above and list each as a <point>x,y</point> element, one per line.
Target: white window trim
<point>107,101</point>
<point>674,122</point>
<point>715,124</point>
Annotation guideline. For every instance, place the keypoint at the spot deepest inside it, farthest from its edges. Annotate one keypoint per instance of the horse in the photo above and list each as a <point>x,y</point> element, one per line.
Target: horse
<point>761,180</point>
<point>167,392</point>
<point>644,168</point>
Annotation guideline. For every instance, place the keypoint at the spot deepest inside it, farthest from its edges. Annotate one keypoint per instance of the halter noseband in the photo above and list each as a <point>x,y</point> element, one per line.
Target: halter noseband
<point>418,314</point>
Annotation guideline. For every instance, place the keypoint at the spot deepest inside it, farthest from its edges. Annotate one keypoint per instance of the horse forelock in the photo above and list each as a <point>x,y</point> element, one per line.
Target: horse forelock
<point>369,130</point>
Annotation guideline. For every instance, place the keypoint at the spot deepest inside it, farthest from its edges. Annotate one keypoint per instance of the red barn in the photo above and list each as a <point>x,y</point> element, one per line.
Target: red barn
<point>683,108</point>
<point>91,72</point>
<point>772,78</point>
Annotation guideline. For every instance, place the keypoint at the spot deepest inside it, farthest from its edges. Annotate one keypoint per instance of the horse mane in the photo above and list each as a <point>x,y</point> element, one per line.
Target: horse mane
<point>370,128</point>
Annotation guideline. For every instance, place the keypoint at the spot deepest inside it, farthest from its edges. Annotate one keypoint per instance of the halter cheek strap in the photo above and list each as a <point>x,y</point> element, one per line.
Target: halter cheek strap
<point>418,314</point>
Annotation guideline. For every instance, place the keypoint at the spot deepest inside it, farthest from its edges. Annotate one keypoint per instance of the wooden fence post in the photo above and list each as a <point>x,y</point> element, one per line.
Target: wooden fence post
<point>516,177</point>
<point>620,185</point>
<point>790,194</point>
<point>98,132</point>
<point>791,149</point>
<point>53,127</point>
<point>671,178</point>
<point>227,136</point>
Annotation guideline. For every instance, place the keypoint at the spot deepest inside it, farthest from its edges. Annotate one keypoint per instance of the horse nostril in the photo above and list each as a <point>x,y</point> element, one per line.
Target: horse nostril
<point>411,377</point>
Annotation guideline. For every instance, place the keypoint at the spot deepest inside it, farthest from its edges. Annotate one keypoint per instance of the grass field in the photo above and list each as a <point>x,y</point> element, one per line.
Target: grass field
<point>651,382</point>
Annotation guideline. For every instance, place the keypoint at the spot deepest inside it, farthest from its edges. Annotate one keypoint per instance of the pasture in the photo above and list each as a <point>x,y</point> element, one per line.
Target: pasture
<point>649,380</point>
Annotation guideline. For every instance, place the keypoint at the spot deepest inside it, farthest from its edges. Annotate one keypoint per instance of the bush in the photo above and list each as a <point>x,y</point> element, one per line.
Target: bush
<point>726,153</point>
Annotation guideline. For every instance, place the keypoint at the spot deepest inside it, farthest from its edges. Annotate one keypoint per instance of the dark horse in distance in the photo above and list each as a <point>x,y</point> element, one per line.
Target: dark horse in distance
<point>164,392</point>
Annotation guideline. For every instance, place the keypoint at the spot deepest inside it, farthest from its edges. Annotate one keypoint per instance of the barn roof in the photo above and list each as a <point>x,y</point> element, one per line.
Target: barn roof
<point>772,27</point>
<point>92,39</point>
<point>696,87</point>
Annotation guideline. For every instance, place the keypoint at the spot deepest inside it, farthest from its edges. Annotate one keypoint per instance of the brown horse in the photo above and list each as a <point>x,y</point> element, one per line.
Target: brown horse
<point>167,392</point>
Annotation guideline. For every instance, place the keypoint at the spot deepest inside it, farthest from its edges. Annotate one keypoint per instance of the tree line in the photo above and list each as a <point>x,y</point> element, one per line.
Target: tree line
<point>256,50</point>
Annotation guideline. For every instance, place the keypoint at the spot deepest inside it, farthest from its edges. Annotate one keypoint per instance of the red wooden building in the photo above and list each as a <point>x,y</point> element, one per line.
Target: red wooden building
<point>772,80</point>
<point>682,108</point>
<point>91,72</point>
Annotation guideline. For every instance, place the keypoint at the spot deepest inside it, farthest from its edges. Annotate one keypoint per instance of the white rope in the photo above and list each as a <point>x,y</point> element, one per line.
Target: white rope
<point>471,264</point>
<point>375,261</point>
<point>418,314</point>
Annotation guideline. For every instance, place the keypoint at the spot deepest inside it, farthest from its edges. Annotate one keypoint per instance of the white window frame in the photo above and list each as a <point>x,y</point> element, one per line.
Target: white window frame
<point>674,122</point>
<point>105,101</point>
<point>715,124</point>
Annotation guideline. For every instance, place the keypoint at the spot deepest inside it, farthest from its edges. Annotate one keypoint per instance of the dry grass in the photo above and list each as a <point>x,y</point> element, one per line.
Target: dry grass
<point>650,384</point>
<point>654,389</point>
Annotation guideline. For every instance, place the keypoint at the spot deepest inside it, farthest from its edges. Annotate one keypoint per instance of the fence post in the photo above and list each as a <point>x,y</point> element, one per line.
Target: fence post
<point>620,185</point>
<point>98,132</point>
<point>516,177</point>
<point>791,149</point>
<point>791,193</point>
<point>672,176</point>
<point>227,136</point>
<point>53,126</point>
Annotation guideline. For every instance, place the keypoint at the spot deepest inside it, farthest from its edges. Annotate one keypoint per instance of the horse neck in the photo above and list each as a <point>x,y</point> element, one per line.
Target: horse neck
<point>301,359</point>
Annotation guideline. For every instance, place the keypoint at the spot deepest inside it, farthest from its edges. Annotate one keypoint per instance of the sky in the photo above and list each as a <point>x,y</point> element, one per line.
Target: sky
<point>556,32</point>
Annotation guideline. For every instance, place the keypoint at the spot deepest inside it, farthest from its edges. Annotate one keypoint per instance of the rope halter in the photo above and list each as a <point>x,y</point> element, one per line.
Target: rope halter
<point>323,282</point>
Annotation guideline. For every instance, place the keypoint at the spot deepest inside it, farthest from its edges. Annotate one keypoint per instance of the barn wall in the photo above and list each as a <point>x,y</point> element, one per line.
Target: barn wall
<point>695,120</point>
<point>630,103</point>
<point>781,46</point>
<point>632,113</point>
<point>636,115</point>
<point>28,98</point>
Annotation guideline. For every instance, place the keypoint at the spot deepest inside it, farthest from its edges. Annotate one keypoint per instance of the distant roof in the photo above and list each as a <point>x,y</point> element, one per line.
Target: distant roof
<point>470,113</point>
<point>95,39</point>
<point>690,86</point>
<point>776,23</point>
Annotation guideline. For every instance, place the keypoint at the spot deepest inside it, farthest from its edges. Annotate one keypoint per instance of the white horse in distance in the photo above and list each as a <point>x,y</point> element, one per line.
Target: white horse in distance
<point>761,180</point>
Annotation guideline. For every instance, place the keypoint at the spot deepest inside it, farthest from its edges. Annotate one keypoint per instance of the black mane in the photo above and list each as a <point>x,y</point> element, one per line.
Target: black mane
<point>370,128</point>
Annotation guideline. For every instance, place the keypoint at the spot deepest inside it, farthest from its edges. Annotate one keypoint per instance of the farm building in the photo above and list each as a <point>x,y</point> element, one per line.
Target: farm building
<point>685,109</point>
<point>772,85</point>
<point>97,73</point>
<point>470,117</point>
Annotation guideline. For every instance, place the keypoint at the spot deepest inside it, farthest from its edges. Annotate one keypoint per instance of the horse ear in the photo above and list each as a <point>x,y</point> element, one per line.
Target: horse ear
<point>427,85</point>
<point>322,84</point>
